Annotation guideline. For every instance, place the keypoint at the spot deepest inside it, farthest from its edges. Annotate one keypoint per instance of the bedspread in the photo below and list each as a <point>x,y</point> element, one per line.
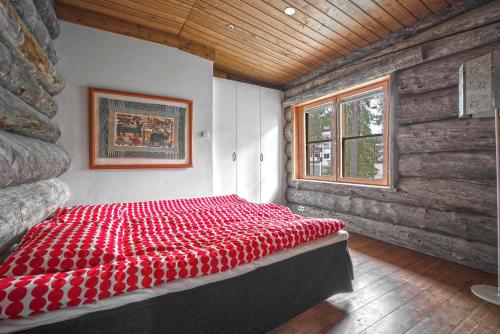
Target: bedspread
<point>86,253</point>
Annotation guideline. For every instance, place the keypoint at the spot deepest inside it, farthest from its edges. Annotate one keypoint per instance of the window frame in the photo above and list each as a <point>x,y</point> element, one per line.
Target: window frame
<point>300,132</point>
<point>305,143</point>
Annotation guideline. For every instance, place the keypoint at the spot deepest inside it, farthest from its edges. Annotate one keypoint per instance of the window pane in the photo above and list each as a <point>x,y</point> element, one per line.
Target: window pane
<point>363,114</point>
<point>363,158</point>
<point>319,159</point>
<point>319,122</point>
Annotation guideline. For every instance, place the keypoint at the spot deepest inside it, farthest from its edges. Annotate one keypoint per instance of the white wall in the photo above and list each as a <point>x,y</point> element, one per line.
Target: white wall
<point>94,58</point>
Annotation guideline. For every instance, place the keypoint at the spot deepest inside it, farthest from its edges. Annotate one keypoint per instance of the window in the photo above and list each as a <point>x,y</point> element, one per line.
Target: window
<point>345,137</point>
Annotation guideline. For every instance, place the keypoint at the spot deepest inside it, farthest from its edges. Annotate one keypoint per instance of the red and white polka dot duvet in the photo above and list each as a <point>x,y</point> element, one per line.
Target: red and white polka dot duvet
<point>86,253</point>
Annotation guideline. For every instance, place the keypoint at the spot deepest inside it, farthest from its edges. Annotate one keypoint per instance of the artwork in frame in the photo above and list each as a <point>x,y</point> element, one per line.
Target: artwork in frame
<point>129,130</point>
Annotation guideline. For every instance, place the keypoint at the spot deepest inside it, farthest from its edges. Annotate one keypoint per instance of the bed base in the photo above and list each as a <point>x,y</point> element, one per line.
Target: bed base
<point>255,302</point>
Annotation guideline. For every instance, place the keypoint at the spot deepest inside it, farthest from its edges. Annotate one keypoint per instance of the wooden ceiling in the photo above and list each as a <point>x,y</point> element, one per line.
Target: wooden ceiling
<point>266,45</point>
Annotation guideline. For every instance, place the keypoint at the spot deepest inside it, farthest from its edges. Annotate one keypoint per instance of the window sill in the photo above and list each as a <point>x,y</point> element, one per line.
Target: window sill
<point>346,184</point>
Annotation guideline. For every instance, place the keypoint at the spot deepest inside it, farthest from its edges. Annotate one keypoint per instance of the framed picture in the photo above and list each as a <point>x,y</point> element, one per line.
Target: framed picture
<point>129,130</point>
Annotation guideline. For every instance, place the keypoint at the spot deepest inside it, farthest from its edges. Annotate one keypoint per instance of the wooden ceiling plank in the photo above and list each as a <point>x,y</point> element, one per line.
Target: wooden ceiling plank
<point>329,29</point>
<point>435,5</point>
<point>148,22</point>
<point>397,11</point>
<point>416,7</point>
<point>219,74</point>
<point>107,23</point>
<point>361,17</point>
<point>246,70</point>
<point>220,14</point>
<point>185,5</point>
<point>290,26</point>
<point>378,14</point>
<point>288,71</point>
<point>230,65</point>
<point>200,24</point>
<point>279,29</point>
<point>198,49</point>
<point>131,8</point>
<point>276,71</point>
<point>328,15</point>
<point>95,20</point>
<point>229,75</point>
<point>156,8</point>
<point>215,38</point>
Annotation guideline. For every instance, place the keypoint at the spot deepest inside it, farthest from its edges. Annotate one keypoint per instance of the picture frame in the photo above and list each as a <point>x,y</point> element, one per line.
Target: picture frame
<point>131,130</point>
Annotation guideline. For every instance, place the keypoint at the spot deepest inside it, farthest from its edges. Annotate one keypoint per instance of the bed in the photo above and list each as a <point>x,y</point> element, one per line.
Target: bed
<point>211,265</point>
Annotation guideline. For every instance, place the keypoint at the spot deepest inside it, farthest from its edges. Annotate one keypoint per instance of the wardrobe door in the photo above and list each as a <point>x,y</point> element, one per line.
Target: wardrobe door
<point>248,142</point>
<point>224,137</point>
<point>270,144</point>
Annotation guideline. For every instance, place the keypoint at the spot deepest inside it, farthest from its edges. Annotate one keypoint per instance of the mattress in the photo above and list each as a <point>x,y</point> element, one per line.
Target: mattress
<point>13,325</point>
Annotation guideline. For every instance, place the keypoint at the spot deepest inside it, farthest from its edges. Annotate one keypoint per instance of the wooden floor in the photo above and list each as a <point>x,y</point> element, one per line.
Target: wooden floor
<point>397,290</point>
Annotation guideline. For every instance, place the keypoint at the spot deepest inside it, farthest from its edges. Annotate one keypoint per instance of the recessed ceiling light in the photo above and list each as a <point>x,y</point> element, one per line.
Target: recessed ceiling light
<point>289,11</point>
<point>229,27</point>
<point>285,52</point>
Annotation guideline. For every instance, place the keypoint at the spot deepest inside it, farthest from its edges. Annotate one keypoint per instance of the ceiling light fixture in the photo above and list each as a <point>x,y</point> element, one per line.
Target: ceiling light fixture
<point>289,11</point>
<point>229,27</point>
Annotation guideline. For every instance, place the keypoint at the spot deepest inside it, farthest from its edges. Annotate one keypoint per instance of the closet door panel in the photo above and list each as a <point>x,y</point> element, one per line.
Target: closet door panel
<point>248,142</point>
<point>224,137</point>
<point>271,143</point>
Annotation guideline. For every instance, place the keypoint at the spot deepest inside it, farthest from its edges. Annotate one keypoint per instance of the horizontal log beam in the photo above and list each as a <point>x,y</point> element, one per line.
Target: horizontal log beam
<point>288,132</point>
<point>440,73</point>
<point>48,15</point>
<point>472,254</point>
<point>288,114</point>
<point>465,226</point>
<point>467,196</point>
<point>289,166</point>
<point>289,150</point>
<point>26,205</point>
<point>432,50</point>
<point>18,117</point>
<point>464,196</point>
<point>461,165</point>
<point>460,17</point>
<point>354,74</point>
<point>27,160</point>
<point>436,105</point>
<point>28,12</point>
<point>17,37</point>
<point>462,33</point>
<point>451,135</point>
<point>107,23</point>
<point>15,77</point>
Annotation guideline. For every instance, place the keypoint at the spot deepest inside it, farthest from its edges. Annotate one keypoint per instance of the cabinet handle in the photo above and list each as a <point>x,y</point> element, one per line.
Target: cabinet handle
<point>234,156</point>
<point>261,157</point>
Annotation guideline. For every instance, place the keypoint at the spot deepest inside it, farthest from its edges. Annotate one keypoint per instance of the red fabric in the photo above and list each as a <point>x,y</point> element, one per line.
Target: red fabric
<point>86,253</point>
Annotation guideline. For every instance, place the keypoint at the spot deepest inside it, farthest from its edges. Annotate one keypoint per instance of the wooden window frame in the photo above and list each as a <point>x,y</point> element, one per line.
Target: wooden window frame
<point>300,168</point>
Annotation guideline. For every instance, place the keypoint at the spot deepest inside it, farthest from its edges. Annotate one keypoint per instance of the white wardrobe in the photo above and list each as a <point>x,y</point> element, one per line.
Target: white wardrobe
<point>247,141</point>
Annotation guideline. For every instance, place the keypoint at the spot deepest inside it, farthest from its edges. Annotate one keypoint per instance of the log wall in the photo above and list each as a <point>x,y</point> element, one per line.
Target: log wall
<point>443,200</point>
<point>30,161</point>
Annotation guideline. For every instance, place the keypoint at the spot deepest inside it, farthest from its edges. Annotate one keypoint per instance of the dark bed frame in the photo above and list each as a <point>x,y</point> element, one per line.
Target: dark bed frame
<point>251,303</point>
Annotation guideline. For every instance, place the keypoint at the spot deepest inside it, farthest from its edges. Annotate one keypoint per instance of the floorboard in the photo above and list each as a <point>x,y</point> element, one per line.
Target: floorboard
<point>397,290</point>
